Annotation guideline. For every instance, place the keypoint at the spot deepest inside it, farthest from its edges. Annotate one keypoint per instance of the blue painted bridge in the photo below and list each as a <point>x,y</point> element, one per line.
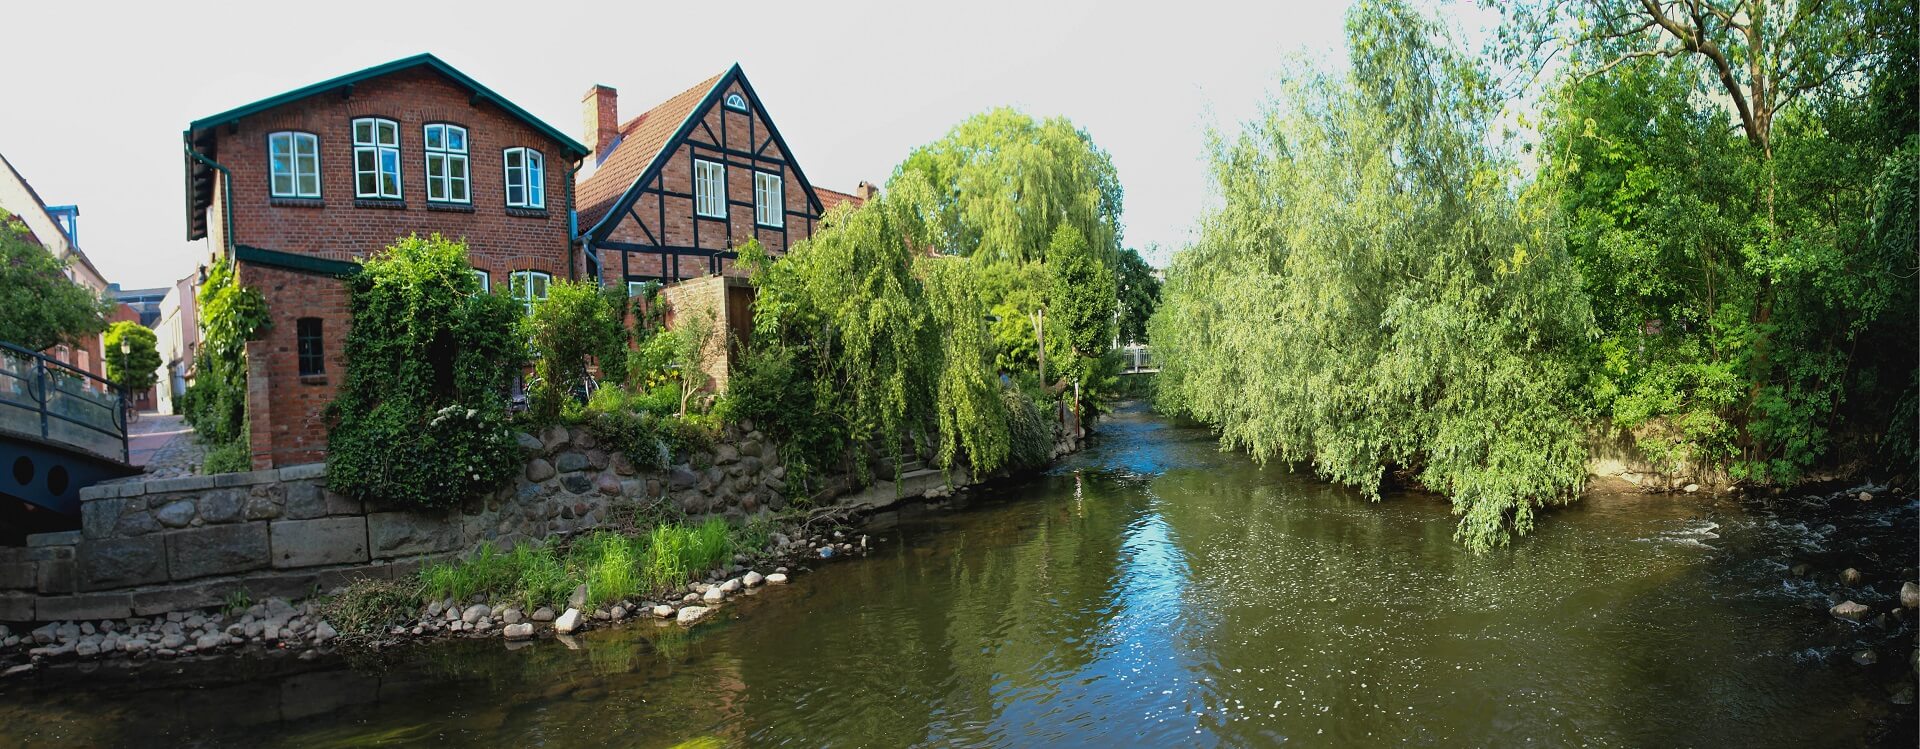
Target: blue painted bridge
<point>61,429</point>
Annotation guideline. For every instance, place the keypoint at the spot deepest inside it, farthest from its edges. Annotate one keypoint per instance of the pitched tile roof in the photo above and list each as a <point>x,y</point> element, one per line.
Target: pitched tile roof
<point>634,148</point>
<point>832,198</point>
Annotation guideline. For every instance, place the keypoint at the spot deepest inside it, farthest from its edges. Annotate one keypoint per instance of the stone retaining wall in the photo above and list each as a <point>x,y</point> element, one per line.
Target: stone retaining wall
<point>148,547</point>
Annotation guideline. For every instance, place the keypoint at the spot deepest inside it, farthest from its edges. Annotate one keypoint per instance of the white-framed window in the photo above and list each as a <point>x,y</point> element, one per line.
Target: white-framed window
<point>526,178</point>
<point>530,287</point>
<point>736,102</point>
<point>447,180</point>
<point>485,280</point>
<point>376,158</point>
<point>295,163</point>
<point>639,288</point>
<point>709,189</point>
<point>769,202</point>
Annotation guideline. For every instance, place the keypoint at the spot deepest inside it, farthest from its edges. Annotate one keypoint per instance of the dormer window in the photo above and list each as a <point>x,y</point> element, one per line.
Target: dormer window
<point>447,164</point>
<point>709,189</point>
<point>736,102</point>
<point>526,178</point>
<point>294,159</point>
<point>376,158</point>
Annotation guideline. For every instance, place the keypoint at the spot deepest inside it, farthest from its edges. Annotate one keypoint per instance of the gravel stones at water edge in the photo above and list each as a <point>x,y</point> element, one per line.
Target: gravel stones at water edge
<point>568,622</point>
<point>713,595</point>
<point>1910,595</point>
<point>520,631</point>
<point>777,578</point>
<point>543,614</point>
<point>474,613</point>
<point>663,611</point>
<point>1850,610</point>
<point>752,579</point>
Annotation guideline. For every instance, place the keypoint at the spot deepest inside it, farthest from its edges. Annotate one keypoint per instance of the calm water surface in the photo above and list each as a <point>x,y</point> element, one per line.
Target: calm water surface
<point>1151,591</point>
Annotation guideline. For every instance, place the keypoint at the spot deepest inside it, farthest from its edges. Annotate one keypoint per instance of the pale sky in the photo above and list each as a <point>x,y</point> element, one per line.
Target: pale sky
<point>98,93</point>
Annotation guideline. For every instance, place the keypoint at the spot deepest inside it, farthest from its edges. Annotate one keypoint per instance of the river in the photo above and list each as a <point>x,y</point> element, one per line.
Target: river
<point>1149,591</point>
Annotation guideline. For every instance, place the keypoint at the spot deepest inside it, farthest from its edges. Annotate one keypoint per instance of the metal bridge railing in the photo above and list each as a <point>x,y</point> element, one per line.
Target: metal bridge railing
<point>40,395</point>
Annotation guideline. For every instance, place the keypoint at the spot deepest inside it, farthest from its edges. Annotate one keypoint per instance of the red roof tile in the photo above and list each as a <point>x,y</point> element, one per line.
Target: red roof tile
<point>639,141</point>
<point>831,198</point>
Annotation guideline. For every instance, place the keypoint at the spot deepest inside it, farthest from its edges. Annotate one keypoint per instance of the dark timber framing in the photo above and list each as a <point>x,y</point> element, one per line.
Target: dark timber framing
<point>714,147</point>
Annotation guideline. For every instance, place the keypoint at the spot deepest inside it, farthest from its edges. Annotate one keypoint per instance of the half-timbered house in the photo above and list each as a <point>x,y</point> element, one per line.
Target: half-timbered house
<point>671,194</point>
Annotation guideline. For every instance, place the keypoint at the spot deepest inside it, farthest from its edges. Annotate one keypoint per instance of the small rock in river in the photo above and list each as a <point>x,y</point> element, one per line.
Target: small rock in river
<point>714,594</point>
<point>474,612</point>
<point>663,611</point>
<point>1866,657</point>
<point>752,579</point>
<point>1691,488</point>
<point>543,614</point>
<point>511,616</point>
<point>570,621</point>
<point>520,631</point>
<point>1852,576</point>
<point>691,614</point>
<point>777,578</point>
<point>1849,610</point>
<point>323,633</point>
<point>1910,595</point>
<point>1865,496</point>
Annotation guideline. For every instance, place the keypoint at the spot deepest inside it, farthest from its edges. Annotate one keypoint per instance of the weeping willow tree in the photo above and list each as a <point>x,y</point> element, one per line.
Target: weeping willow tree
<point>1372,295</point>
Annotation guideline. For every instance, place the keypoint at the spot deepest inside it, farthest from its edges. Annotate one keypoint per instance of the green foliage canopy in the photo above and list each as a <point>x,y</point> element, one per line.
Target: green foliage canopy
<point>231,313</point>
<point>139,367</point>
<point>39,306</point>
<point>1372,295</point>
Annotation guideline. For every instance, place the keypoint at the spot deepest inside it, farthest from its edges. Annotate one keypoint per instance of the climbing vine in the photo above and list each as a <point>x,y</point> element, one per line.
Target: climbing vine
<point>231,314</point>
<point>421,419</point>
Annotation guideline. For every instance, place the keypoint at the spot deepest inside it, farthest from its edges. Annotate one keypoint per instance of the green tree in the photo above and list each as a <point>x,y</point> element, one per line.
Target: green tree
<point>1139,295</point>
<point>1081,298</point>
<point>1002,183</point>
<point>421,418</point>
<point>139,366</point>
<point>1748,315</point>
<point>1372,296</point>
<point>40,307</point>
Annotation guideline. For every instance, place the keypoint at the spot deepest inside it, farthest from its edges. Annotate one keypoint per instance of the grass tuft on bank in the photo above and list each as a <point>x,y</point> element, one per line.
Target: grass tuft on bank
<point>613,565</point>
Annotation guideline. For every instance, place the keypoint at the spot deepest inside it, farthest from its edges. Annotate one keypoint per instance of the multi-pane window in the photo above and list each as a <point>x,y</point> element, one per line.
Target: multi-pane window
<point>769,205</point>
<point>526,178</point>
<point>709,189</point>
<point>530,287</point>
<point>447,164</point>
<point>311,346</point>
<point>295,161</point>
<point>376,158</point>
<point>485,281</point>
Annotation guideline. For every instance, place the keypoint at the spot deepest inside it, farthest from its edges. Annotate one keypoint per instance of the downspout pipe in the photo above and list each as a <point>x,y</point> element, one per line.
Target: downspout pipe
<point>226,196</point>
<point>573,230</point>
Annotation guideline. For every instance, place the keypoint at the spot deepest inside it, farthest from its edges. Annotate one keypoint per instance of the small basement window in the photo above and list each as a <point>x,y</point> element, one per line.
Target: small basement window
<point>311,346</point>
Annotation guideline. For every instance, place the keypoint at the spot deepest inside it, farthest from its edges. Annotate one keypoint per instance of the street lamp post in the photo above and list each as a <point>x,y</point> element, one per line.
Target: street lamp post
<point>126,354</point>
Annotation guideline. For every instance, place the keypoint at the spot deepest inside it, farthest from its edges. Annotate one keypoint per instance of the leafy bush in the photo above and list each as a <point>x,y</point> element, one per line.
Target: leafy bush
<point>421,419</point>
<point>577,327</point>
<point>41,307</point>
<point>1029,432</point>
<point>228,457</point>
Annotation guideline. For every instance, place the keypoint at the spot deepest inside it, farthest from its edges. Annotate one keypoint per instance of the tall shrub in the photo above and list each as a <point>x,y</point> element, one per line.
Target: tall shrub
<point>576,328</point>
<point>421,419</point>
<point>230,315</point>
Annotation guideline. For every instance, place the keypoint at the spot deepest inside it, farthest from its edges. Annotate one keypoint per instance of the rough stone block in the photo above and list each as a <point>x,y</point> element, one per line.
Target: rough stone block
<point>55,576</point>
<point>246,478</point>
<point>176,598</point>
<point>136,523</point>
<point>62,538</point>
<point>183,484</point>
<point>300,472</point>
<point>99,517</point>
<point>399,534</point>
<point>217,550</point>
<point>308,543</point>
<point>222,505</point>
<point>19,575</point>
<point>97,491</point>
<point>122,562</point>
<point>85,606</point>
<point>18,607</point>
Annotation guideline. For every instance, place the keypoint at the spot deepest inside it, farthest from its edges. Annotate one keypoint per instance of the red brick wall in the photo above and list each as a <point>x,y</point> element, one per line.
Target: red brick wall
<point>287,413</point>
<point>733,130</point>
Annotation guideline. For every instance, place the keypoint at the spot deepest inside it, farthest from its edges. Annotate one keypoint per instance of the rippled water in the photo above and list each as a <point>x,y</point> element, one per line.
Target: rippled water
<point>1150,591</point>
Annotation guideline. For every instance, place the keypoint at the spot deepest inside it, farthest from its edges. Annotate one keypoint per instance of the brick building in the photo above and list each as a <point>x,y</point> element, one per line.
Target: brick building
<point>296,187</point>
<point>668,195</point>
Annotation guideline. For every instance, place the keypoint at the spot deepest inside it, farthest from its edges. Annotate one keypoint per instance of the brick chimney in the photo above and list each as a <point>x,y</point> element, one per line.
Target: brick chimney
<point>600,108</point>
<point>866,192</point>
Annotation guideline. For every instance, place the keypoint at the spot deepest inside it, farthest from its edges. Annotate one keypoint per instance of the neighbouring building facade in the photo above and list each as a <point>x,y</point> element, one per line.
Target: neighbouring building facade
<point>56,228</point>
<point>296,187</point>
<point>177,336</point>
<point>670,194</point>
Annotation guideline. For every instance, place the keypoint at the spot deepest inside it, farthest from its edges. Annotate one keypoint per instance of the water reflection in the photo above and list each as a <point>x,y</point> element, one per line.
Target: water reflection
<point>1150,591</point>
